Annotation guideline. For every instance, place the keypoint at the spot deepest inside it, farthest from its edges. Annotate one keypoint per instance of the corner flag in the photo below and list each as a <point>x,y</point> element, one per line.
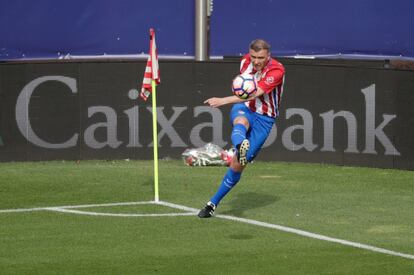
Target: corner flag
<point>152,71</point>
<point>149,84</point>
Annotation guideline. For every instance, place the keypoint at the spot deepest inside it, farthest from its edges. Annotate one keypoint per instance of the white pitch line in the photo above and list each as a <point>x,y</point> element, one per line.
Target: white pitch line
<point>177,206</point>
<point>193,211</point>
<point>106,204</point>
<point>318,236</point>
<point>124,215</point>
<point>75,206</point>
<point>300,232</point>
<point>22,210</point>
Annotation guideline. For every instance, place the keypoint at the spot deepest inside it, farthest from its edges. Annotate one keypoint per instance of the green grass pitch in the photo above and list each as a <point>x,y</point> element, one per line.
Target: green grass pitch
<point>362,205</point>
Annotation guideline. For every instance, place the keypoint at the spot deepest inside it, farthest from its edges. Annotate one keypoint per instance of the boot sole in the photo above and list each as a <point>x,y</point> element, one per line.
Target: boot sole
<point>244,147</point>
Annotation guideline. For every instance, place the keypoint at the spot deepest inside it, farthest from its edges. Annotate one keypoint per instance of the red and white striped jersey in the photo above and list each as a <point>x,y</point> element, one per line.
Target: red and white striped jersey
<point>270,79</point>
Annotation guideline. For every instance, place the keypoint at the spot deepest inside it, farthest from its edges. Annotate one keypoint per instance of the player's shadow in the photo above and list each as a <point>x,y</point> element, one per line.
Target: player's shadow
<point>248,201</point>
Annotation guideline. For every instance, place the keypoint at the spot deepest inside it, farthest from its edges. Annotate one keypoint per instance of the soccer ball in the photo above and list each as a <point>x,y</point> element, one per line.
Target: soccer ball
<point>243,86</point>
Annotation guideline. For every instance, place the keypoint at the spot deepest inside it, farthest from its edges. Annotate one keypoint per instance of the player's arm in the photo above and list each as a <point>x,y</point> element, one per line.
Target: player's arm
<point>259,92</point>
<point>220,101</point>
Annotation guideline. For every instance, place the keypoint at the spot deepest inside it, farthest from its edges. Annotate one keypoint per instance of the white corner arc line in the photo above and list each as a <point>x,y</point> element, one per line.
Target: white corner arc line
<point>17,210</point>
<point>124,215</point>
<point>177,206</point>
<point>75,206</point>
<point>192,211</point>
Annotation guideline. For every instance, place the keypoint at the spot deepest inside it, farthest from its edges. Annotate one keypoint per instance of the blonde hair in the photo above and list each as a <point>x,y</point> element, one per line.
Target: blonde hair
<point>259,44</point>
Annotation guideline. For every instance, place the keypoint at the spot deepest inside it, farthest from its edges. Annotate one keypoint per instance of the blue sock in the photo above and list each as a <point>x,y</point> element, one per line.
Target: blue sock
<point>238,134</point>
<point>229,181</point>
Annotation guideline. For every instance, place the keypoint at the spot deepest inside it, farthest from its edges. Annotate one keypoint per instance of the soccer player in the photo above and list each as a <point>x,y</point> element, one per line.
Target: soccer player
<point>252,118</point>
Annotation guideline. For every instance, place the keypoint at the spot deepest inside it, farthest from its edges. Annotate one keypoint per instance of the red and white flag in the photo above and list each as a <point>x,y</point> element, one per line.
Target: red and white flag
<point>152,71</point>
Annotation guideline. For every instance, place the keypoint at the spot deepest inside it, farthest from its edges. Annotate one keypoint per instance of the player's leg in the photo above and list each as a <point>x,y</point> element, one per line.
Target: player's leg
<point>239,132</point>
<point>259,132</point>
<point>240,140</point>
<point>230,179</point>
<point>241,118</point>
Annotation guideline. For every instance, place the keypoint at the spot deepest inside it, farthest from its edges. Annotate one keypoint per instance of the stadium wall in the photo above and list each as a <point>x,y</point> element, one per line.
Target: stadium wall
<point>333,111</point>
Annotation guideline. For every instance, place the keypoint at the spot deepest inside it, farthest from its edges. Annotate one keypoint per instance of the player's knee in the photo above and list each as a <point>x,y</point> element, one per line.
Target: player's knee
<point>241,120</point>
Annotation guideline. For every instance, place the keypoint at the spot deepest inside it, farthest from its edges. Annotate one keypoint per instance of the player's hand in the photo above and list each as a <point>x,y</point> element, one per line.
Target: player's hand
<point>215,102</point>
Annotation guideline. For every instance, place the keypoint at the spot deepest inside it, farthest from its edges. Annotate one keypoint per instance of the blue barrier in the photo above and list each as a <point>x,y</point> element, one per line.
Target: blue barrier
<point>58,29</point>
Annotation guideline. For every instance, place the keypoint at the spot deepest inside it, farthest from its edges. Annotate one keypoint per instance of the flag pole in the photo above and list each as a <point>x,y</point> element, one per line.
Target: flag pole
<point>155,139</point>
<point>149,84</point>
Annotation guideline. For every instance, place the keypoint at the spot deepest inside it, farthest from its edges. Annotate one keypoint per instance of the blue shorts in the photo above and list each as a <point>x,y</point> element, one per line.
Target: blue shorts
<point>260,127</point>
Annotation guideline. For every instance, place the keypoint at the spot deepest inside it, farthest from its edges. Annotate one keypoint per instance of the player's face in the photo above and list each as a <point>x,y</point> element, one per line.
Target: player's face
<point>259,59</point>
